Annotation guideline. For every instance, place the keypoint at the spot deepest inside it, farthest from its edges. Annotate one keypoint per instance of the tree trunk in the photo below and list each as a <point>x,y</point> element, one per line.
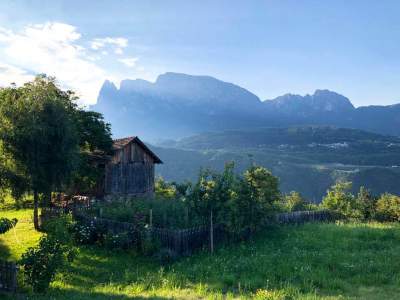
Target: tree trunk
<point>36,209</point>
<point>47,199</point>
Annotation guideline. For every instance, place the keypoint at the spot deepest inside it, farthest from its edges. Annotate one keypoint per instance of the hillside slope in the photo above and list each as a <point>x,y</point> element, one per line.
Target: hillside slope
<point>306,159</point>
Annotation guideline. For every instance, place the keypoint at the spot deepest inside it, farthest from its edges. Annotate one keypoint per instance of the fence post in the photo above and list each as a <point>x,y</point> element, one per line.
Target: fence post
<point>186,217</point>
<point>164,219</point>
<point>151,217</point>
<point>14,269</point>
<point>211,232</point>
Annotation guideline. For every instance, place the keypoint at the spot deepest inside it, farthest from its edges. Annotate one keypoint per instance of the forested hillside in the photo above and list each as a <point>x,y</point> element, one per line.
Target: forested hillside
<point>306,159</point>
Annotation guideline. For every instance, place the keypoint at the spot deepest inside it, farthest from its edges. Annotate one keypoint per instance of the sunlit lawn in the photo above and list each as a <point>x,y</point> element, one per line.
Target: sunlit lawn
<point>313,261</point>
<point>14,242</point>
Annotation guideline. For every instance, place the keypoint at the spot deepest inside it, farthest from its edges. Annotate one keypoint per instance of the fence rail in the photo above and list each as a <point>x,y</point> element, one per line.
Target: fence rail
<point>8,276</point>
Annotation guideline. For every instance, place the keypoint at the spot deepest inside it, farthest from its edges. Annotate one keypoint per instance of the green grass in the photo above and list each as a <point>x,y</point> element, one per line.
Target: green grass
<point>14,242</point>
<point>312,261</point>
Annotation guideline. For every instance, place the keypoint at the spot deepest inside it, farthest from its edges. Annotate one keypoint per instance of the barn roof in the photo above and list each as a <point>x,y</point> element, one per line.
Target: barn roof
<point>121,143</point>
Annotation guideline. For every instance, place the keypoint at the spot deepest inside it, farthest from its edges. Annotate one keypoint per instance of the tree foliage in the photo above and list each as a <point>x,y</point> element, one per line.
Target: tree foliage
<point>339,198</point>
<point>388,207</point>
<point>42,262</point>
<point>240,203</point>
<point>364,205</point>
<point>48,142</point>
<point>94,140</point>
<point>294,202</point>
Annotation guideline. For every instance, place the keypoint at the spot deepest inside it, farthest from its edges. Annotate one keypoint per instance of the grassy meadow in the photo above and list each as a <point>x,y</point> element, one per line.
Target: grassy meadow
<point>311,261</point>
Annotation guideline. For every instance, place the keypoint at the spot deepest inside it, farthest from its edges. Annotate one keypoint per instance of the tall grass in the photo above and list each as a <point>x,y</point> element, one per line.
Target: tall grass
<point>311,261</point>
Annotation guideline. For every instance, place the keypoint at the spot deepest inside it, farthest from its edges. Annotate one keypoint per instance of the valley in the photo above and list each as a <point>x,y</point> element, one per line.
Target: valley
<point>306,159</point>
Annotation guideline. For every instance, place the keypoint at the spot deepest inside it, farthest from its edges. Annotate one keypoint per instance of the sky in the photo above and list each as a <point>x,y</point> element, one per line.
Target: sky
<point>268,47</point>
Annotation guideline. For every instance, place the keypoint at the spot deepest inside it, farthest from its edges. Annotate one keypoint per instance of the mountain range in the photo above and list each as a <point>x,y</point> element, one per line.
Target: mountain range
<point>309,142</point>
<point>178,105</point>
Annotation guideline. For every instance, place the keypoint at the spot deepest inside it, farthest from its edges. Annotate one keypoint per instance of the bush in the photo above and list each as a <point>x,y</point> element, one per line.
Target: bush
<point>6,224</point>
<point>239,203</point>
<point>388,208</point>
<point>340,199</point>
<point>295,202</point>
<point>166,212</point>
<point>41,263</point>
<point>364,205</point>
<point>120,241</point>
<point>87,234</point>
<point>60,228</point>
<point>164,190</point>
<point>252,200</point>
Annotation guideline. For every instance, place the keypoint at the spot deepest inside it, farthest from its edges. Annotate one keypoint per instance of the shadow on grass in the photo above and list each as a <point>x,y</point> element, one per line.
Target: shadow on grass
<point>76,295</point>
<point>5,252</point>
<point>325,259</point>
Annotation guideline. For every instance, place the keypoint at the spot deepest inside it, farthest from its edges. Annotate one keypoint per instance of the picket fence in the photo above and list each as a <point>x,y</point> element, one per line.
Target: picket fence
<point>8,276</point>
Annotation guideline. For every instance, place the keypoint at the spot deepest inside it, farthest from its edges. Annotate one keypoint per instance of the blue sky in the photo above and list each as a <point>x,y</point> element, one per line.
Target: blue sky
<point>268,47</point>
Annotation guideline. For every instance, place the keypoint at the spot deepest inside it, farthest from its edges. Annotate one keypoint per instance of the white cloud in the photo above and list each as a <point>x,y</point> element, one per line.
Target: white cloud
<point>53,49</point>
<point>117,44</point>
<point>118,51</point>
<point>11,74</point>
<point>129,61</point>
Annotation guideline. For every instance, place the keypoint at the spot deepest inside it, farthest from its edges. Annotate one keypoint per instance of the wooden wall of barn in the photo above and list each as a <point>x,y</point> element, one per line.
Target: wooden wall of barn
<point>130,172</point>
<point>131,153</point>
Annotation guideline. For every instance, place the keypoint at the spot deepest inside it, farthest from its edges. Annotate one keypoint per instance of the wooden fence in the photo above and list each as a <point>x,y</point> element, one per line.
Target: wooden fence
<point>8,276</point>
<point>298,217</point>
<point>183,241</point>
<point>108,225</point>
<point>47,213</point>
<point>186,241</point>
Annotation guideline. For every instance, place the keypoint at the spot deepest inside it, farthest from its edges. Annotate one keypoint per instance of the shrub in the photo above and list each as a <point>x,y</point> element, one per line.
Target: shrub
<point>41,263</point>
<point>240,203</point>
<point>213,192</point>
<point>295,202</point>
<point>120,241</point>
<point>60,228</point>
<point>252,201</point>
<point>388,208</point>
<point>164,189</point>
<point>88,233</point>
<point>7,224</point>
<point>169,213</point>
<point>340,199</point>
<point>364,205</point>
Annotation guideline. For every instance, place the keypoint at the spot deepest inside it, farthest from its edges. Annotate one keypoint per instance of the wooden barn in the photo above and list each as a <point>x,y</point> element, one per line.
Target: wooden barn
<point>130,172</point>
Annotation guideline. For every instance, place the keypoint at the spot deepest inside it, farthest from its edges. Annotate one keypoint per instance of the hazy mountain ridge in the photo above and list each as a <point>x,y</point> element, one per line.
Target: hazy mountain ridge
<point>320,101</point>
<point>178,105</point>
<point>212,122</point>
